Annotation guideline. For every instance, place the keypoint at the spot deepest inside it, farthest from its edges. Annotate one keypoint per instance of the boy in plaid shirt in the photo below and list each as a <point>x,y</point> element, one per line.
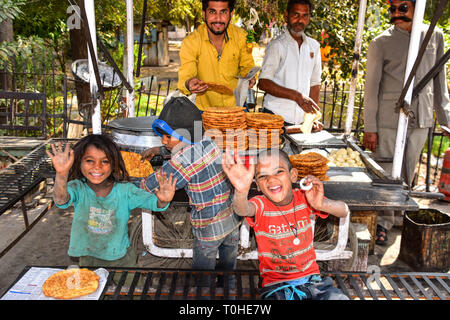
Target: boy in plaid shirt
<point>198,169</point>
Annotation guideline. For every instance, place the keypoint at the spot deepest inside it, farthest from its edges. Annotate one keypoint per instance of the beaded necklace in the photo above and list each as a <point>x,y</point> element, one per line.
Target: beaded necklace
<point>293,229</point>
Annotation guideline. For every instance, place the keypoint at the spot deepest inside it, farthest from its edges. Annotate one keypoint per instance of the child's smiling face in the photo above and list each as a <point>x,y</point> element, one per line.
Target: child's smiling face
<point>274,179</point>
<point>95,165</point>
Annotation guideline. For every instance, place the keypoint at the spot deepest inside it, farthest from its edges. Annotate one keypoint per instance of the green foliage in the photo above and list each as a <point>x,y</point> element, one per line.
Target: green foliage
<point>177,12</point>
<point>24,49</point>
<point>10,9</point>
<point>439,146</point>
<point>334,23</point>
<point>118,53</point>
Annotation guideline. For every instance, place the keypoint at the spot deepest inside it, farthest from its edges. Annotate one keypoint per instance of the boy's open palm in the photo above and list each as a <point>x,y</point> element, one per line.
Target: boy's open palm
<point>315,195</point>
<point>239,175</point>
<point>167,187</point>
<point>62,159</point>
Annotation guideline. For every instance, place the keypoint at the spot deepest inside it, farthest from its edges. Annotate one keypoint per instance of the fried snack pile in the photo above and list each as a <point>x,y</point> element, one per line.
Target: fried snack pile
<point>134,166</point>
<point>71,283</point>
<point>219,88</point>
<point>226,126</point>
<point>310,163</point>
<point>264,130</point>
<point>345,157</point>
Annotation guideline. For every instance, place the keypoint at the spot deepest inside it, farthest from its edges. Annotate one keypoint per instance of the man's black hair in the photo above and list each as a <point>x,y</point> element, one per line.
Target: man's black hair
<point>230,4</point>
<point>292,2</point>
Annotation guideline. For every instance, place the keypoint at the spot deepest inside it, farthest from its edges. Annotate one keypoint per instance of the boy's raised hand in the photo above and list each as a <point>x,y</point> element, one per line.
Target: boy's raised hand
<point>315,195</point>
<point>239,175</point>
<point>167,187</point>
<point>62,159</point>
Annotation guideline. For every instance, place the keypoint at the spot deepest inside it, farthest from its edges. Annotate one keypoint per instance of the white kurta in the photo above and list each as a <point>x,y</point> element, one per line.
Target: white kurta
<point>288,66</point>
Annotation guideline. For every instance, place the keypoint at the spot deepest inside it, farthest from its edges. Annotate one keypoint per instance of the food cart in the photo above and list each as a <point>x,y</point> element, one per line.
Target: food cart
<point>364,189</point>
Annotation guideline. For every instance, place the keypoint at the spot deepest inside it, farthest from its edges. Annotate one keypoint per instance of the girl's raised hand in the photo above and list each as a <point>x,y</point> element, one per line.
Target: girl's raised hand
<point>62,159</point>
<point>167,187</point>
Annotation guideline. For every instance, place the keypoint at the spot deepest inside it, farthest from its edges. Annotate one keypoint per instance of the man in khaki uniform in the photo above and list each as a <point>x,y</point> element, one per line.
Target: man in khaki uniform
<point>386,64</point>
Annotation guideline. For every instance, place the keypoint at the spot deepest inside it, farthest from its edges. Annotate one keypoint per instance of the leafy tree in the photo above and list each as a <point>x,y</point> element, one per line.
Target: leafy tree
<point>185,13</point>
<point>10,9</point>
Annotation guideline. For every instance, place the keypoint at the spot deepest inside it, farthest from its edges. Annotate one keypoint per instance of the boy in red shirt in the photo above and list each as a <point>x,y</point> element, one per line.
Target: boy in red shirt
<point>282,225</point>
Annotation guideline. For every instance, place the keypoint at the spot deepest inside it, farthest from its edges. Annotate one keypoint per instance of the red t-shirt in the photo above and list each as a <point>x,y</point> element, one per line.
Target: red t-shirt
<point>279,258</point>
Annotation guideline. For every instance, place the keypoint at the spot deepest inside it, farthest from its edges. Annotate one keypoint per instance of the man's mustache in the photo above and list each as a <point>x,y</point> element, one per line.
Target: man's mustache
<point>300,24</point>
<point>406,19</point>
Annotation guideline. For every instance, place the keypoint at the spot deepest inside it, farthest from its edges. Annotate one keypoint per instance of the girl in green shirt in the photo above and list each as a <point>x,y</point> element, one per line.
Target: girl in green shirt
<point>93,178</point>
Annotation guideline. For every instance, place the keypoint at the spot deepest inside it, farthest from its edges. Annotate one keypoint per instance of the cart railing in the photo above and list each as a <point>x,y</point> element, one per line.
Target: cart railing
<point>336,252</point>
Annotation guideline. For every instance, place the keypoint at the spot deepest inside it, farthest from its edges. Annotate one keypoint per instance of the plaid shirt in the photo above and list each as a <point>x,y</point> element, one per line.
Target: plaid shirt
<point>198,169</point>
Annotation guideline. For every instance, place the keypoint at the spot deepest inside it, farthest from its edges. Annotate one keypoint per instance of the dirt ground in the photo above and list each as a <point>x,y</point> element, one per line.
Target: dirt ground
<point>47,242</point>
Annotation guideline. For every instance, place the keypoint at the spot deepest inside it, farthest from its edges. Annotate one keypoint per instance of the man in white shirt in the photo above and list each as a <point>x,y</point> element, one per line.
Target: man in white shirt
<point>291,70</point>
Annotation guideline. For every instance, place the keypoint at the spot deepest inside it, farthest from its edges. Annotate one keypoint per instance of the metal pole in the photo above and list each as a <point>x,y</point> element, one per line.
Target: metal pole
<point>96,116</point>
<point>355,67</point>
<point>402,128</point>
<point>130,57</point>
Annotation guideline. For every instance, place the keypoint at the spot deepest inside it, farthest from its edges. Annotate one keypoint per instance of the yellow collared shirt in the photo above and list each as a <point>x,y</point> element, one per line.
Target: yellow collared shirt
<point>199,58</point>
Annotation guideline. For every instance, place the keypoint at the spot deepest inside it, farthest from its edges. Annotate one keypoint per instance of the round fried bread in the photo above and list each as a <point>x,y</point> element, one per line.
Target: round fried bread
<point>230,109</point>
<point>71,283</point>
<point>263,117</point>
<point>311,159</point>
<point>219,88</point>
<point>134,166</point>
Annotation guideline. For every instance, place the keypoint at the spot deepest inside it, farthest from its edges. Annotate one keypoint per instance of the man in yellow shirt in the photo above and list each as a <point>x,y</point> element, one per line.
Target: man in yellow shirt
<point>216,53</point>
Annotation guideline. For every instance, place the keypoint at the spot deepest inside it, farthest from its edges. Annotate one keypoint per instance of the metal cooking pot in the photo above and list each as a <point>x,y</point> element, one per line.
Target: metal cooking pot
<point>135,132</point>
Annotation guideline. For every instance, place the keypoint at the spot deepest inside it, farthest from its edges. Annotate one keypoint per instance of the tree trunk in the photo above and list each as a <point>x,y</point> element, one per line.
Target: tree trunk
<point>78,50</point>
<point>6,35</point>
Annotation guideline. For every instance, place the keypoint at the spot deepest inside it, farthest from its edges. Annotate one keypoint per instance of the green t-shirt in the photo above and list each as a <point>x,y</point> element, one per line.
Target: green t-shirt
<point>100,224</point>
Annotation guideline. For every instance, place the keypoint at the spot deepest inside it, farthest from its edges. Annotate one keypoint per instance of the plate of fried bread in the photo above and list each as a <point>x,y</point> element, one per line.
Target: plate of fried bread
<point>71,283</point>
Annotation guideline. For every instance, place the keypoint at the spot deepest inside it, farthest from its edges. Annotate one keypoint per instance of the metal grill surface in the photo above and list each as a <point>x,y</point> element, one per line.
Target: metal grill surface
<point>166,284</point>
<point>19,178</point>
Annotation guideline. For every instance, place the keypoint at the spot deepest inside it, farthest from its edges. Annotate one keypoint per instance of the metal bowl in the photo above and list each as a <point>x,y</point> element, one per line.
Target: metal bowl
<point>108,76</point>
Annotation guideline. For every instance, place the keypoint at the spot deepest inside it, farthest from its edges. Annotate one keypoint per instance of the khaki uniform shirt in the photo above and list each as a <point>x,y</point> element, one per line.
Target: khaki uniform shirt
<point>385,76</point>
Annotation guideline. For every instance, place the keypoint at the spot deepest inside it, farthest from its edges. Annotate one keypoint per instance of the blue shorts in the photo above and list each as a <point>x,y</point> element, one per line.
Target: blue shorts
<point>308,288</point>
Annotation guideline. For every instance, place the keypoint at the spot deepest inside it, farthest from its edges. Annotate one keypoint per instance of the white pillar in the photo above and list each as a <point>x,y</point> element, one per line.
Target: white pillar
<point>96,116</point>
<point>130,57</point>
<point>414,44</point>
<point>355,67</point>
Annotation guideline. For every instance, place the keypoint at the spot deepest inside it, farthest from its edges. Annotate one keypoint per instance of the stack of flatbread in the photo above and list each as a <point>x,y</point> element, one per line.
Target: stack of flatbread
<point>134,166</point>
<point>310,163</point>
<point>70,283</point>
<point>227,127</point>
<point>264,130</point>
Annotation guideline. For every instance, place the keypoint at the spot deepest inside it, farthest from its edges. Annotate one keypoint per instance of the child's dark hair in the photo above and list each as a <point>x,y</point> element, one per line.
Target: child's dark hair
<point>108,146</point>
<point>276,152</point>
<point>230,4</point>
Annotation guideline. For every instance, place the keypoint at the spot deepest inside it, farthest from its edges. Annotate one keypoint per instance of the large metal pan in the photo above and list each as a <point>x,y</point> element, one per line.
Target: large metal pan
<point>135,132</point>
